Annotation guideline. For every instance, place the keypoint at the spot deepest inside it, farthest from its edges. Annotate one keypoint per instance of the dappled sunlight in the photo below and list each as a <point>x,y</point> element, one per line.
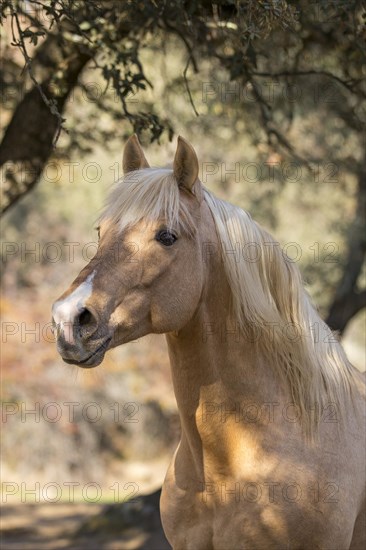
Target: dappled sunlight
<point>183,386</point>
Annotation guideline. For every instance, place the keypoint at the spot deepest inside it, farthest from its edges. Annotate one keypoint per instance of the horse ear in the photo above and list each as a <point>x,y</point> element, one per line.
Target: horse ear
<point>185,166</point>
<point>133,156</point>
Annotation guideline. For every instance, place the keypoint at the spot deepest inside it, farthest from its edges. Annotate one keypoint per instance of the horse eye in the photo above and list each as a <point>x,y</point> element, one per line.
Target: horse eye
<point>165,237</point>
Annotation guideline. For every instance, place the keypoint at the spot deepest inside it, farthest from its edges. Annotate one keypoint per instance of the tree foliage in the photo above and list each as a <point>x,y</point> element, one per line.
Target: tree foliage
<point>292,63</point>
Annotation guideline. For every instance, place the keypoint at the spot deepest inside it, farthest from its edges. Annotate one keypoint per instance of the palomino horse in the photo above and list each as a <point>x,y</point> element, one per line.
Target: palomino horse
<point>272,447</point>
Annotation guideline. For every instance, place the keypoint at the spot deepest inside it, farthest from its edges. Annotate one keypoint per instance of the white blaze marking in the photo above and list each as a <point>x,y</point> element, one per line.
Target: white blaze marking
<point>65,311</point>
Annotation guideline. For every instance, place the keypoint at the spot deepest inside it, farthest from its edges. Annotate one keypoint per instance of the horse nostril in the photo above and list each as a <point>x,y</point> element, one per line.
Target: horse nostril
<point>85,318</point>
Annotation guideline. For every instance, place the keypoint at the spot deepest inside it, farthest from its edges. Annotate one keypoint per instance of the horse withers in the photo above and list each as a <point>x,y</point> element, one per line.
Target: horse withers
<point>272,451</point>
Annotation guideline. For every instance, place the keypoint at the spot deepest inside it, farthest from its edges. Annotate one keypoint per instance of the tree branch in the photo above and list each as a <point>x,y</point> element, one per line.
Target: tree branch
<point>347,84</point>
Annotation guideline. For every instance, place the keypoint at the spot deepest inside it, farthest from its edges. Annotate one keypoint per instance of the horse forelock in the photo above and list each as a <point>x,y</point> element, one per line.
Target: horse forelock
<point>150,194</point>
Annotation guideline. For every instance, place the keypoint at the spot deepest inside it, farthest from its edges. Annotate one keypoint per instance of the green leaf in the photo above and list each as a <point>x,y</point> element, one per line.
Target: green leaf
<point>85,26</point>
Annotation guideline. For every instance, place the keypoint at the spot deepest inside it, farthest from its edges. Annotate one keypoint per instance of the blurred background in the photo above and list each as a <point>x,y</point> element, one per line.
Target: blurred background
<point>272,97</point>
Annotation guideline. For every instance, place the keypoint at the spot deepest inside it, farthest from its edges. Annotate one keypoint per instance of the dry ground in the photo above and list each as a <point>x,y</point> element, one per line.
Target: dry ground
<point>83,526</point>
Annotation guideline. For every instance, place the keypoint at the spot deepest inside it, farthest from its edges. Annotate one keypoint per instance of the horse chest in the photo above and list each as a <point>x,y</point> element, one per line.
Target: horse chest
<point>259,505</point>
<point>244,523</point>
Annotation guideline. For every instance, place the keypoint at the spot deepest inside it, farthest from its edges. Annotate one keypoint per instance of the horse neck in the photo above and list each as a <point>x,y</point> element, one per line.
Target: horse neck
<point>214,367</point>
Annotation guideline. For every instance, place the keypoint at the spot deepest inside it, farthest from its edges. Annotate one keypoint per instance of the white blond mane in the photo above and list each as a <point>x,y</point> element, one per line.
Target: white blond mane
<point>269,299</point>
<point>148,194</point>
<point>275,311</point>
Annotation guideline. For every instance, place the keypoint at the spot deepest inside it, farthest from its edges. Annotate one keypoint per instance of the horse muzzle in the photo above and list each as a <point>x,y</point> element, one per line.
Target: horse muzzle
<point>85,355</point>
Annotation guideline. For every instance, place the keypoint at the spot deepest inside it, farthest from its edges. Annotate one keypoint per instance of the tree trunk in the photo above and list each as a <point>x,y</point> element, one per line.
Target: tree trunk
<point>28,140</point>
<point>348,301</point>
